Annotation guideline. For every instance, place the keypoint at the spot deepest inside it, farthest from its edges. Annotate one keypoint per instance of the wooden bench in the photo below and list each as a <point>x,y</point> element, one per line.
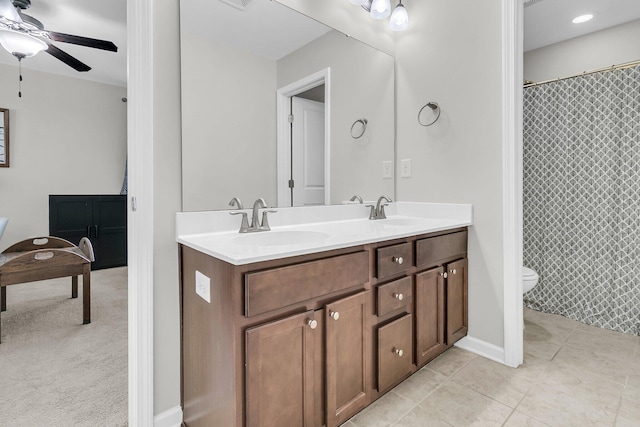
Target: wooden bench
<point>43,258</point>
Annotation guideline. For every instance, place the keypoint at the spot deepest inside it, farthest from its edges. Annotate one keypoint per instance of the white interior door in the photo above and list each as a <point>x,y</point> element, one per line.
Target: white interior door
<point>307,152</point>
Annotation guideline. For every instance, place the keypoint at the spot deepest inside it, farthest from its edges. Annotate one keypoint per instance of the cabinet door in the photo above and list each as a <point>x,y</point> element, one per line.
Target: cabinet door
<point>281,372</point>
<point>395,350</point>
<point>70,217</point>
<point>109,231</point>
<point>430,315</point>
<point>457,308</point>
<point>347,356</point>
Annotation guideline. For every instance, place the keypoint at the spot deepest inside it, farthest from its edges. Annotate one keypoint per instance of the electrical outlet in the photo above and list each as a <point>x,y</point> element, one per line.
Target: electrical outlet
<point>387,169</point>
<point>405,168</point>
<point>203,286</point>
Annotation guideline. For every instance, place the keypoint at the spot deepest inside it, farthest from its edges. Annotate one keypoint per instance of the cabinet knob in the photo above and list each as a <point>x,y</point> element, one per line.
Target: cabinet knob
<point>454,271</point>
<point>398,351</point>
<point>397,259</point>
<point>312,323</point>
<point>334,315</point>
<point>445,275</point>
<point>399,297</point>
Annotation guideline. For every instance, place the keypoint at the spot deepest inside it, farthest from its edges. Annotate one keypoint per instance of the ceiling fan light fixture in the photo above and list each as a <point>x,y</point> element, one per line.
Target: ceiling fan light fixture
<point>399,18</point>
<point>21,45</point>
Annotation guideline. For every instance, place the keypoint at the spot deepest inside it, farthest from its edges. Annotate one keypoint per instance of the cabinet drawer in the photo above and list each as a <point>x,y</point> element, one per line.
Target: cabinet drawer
<point>394,259</point>
<point>394,295</point>
<point>279,287</point>
<point>394,352</point>
<point>430,251</point>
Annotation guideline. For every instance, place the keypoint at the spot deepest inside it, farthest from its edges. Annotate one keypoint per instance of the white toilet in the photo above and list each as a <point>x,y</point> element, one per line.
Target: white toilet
<point>529,279</point>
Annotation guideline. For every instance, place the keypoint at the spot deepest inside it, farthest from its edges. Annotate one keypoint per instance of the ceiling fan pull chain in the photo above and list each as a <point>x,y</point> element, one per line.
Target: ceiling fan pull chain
<point>20,78</point>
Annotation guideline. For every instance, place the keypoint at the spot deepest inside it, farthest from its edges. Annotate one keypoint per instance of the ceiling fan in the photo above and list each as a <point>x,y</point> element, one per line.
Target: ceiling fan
<point>24,36</point>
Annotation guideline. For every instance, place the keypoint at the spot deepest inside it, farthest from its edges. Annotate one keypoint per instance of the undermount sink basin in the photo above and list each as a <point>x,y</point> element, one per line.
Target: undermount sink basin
<point>279,238</point>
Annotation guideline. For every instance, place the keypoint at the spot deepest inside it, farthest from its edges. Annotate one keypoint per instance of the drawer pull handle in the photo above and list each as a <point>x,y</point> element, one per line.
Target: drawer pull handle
<point>399,297</point>
<point>398,351</point>
<point>454,271</point>
<point>334,315</point>
<point>445,275</point>
<point>397,259</point>
<point>312,323</point>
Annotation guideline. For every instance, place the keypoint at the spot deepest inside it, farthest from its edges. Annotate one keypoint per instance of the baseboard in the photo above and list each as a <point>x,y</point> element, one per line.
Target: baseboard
<point>482,348</point>
<point>169,418</point>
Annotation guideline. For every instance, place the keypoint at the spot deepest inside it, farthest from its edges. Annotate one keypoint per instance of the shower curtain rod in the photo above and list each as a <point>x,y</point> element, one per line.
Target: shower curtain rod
<point>584,73</point>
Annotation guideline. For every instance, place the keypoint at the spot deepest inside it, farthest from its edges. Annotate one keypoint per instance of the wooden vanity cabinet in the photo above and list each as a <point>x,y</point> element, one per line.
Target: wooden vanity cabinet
<point>311,340</point>
<point>280,342</point>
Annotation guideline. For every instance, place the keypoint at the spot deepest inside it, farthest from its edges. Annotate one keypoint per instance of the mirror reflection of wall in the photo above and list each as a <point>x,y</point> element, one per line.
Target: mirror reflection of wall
<point>229,114</point>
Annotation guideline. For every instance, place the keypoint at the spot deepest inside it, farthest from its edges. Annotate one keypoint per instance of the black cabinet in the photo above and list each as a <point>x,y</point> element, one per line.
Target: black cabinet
<point>101,218</point>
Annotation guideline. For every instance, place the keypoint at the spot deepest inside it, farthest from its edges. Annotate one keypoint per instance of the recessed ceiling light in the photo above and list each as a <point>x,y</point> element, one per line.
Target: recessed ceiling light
<point>582,18</point>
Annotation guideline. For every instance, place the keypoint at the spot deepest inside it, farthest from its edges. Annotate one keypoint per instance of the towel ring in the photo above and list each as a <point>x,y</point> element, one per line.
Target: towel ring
<point>435,107</point>
<point>357,135</point>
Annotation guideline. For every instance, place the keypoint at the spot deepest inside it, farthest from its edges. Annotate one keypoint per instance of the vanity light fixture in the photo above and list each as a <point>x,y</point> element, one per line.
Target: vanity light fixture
<point>381,9</point>
<point>582,18</point>
<point>399,18</point>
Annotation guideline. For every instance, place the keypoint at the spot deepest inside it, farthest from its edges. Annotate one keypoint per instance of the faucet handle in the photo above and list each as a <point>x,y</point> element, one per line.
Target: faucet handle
<point>264,224</point>
<point>372,213</point>
<point>381,213</point>
<point>244,225</point>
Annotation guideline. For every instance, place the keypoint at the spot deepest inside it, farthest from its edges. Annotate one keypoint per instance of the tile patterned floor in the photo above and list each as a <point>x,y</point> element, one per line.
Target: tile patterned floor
<point>573,375</point>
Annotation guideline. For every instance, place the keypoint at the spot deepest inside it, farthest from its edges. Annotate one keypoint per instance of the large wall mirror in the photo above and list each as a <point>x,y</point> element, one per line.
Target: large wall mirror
<point>280,106</point>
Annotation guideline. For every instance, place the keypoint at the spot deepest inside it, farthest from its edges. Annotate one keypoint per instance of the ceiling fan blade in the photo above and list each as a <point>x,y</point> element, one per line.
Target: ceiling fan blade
<point>83,41</point>
<point>67,59</point>
<point>8,11</point>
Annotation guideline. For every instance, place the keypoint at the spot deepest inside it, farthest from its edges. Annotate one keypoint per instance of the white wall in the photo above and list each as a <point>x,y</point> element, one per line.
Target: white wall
<point>228,125</point>
<point>68,136</point>
<point>452,57</point>
<point>615,45</point>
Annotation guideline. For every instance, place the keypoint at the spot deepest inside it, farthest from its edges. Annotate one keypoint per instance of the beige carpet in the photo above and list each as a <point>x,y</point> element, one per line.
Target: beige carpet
<point>55,371</point>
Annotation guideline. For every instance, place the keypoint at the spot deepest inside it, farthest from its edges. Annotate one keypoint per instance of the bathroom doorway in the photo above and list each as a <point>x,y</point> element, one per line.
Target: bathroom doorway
<point>303,141</point>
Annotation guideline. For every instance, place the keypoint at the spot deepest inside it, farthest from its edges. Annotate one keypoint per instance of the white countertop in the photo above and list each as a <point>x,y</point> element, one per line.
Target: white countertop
<point>305,230</point>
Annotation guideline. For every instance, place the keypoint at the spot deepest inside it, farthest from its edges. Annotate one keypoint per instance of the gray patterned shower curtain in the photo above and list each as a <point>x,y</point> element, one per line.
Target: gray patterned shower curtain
<point>582,197</point>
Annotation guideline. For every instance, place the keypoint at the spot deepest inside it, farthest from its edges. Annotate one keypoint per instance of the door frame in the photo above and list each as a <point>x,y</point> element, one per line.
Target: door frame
<point>512,167</point>
<point>140,206</point>
<point>283,142</point>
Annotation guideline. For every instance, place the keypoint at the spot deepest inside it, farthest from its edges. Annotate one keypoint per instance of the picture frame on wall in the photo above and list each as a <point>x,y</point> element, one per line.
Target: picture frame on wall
<point>4,138</point>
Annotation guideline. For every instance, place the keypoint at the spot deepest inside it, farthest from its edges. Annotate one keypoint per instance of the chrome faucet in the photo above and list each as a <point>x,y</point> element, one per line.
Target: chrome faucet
<point>356,197</point>
<point>377,211</point>
<point>236,202</point>
<point>256,224</point>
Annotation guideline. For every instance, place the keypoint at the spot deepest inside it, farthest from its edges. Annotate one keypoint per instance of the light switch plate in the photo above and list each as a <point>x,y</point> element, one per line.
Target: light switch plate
<point>405,168</point>
<point>203,286</point>
<point>387,169</point>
